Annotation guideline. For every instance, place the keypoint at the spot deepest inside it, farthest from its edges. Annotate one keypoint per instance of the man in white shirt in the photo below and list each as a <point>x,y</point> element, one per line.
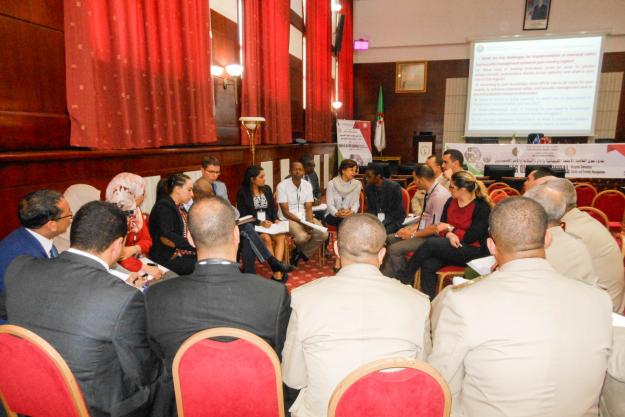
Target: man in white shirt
<point>524,340</point>
<point>295,200</point>
<point>340,323</point>
<point>43,214</point>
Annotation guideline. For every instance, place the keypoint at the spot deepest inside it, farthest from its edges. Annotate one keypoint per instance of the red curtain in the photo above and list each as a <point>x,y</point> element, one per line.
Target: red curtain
<point>138,73</point>
<point>318,71</point>
<point>346,63</point>
<point>266,87</point>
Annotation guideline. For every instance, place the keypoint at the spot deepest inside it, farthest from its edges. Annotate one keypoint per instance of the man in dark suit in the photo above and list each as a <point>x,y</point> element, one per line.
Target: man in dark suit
<point>95,320</point>
<point>216,294</point>
<point>384,199</point>
<point>43,214</point>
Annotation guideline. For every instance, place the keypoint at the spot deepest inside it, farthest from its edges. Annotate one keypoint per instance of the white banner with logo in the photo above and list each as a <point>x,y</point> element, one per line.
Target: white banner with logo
<point>354,140</point>
<point>578,160</point>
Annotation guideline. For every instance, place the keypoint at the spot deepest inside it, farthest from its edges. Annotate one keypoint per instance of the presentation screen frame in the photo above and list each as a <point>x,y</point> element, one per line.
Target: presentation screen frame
<point>525,132</point>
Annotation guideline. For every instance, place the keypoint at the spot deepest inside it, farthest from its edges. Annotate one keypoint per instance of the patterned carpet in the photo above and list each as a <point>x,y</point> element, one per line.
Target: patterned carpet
<point>305,272</point>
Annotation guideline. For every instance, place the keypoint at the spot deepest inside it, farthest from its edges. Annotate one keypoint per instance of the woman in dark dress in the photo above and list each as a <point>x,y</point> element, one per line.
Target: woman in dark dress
<point>172,245</point>
<point>256,198</point>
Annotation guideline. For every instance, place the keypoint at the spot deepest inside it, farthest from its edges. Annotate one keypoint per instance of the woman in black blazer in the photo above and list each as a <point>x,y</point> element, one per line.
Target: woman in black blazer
<point>256,198</point>
<point>172,245</point>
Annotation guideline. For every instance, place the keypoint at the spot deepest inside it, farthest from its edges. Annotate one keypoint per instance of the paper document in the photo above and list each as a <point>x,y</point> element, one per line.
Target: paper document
<point>618,320</point>
<point>315,226</point>
<point>150,262</point>
<point>482,266</point>
<point>411,219</point>
<point>320,207</point>
<point>275,229</point>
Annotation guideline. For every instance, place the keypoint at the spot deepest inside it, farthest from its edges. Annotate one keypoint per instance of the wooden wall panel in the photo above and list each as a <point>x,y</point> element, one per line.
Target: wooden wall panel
<point>404,113</point>
<point>23,172</point>
<point>615,62</point>
<point>33,111</point>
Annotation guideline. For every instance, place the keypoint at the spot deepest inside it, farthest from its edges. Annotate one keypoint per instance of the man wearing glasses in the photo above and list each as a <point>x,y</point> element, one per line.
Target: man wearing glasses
<point>43,214</point>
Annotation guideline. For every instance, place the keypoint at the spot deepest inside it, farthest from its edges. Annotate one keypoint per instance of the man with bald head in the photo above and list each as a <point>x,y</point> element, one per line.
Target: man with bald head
<point>340,323</point>
<point>216,294</point>
<point>566,253</point>
<point>524,340</point>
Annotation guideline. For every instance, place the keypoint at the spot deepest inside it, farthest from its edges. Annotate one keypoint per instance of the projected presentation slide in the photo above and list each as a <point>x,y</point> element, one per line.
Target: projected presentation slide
<point>525,86</point>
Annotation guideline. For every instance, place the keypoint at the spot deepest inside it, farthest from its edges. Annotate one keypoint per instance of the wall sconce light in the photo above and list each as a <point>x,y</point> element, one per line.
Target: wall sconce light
<point>233,70</point>
<point>336,105</point>
<point>217,70</point>
<point>336,7</point>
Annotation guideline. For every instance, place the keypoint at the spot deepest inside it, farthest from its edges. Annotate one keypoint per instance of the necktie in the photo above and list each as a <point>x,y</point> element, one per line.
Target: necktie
<point>214,188</point>
<point>54,252</point>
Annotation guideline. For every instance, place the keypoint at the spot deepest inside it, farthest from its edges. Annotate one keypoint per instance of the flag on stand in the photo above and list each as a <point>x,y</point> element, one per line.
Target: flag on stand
<point>380,136</point>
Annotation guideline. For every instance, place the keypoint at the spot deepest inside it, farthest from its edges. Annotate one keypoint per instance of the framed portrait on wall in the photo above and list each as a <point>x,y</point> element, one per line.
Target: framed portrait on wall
<point>536,14</point>
<point>411,77</point>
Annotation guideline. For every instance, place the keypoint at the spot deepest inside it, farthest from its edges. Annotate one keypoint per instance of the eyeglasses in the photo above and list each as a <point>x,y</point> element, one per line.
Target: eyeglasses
<point>213,172</point>
<point>63,217</point>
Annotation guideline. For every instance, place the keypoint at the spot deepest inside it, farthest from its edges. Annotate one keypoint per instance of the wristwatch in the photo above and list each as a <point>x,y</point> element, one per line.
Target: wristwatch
<point>450,228</point>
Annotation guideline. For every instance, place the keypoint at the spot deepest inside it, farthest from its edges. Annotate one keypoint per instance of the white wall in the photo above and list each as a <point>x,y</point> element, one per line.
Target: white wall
<point>403,30</point>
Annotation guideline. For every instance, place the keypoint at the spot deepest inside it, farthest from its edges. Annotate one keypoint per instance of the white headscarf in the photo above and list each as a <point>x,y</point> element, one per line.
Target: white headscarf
<point>123,190</point>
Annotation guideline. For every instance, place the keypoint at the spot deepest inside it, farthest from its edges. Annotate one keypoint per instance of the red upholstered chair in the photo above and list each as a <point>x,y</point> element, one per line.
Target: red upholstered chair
<point>612,203</point>
<point>445,275</point>
<point>597,215</point>
<point>405,200</point>
<point>34,379</point>
<point>498,195</point>
<point>412,190</point>
<point>416,390</point>
<point>239,378</point>
<point>510,191</point>
<point>363,203</point>
<point>496,185</point>
<point>585,194</point>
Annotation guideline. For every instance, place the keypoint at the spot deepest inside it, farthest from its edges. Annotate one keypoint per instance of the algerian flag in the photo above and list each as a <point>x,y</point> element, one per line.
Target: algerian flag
<point>380,136</point>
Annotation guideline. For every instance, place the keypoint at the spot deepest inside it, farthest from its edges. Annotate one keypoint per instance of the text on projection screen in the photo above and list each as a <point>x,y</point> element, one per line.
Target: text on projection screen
<point>526,86</point>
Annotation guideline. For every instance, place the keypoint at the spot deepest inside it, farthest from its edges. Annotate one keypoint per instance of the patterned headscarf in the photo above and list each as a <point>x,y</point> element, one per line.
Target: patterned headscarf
<point>123,190</point>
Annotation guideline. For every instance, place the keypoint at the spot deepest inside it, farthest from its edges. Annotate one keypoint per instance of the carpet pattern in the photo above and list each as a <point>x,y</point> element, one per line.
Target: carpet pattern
<point>305,272</point>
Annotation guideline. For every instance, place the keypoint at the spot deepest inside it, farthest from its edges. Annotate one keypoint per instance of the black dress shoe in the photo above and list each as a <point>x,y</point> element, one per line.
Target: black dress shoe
<point>296,256</point>
<point>277,266</point>
<point>285,278</point>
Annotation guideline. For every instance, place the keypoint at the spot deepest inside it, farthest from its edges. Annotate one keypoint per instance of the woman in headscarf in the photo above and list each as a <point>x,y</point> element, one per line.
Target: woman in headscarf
<point>127,191</point>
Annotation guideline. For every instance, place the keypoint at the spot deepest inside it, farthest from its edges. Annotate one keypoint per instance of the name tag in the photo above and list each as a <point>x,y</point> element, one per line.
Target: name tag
<point>381,217</point>
<point>261,216</point>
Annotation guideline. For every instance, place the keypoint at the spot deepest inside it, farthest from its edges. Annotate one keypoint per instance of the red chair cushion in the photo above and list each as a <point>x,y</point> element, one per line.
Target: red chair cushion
<point>613,205</point>
<point>30,381</point>
<point>584,196</point>
<point>451,268</point>
<point>227,379</point>
<point>408,392</point>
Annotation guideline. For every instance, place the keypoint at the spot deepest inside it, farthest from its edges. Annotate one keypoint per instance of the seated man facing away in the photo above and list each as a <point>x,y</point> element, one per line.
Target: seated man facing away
<point>340,323</point>
<point>524,340</point>
<point>566,253</point>
<point>216,294</point>
<point>604,251</point>
<point>92,318</point>
<point>384,199</point>
<point>409,238</point>
<point>612,403</point>
<point>43,214</point>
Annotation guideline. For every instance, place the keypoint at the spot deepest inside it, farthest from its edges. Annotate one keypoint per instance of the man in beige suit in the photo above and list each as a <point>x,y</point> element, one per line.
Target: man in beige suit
<point>612,402</point>
<point>566,253</point>
<point>524,340</point>
<point>603,249</point>
<point>340,323</point>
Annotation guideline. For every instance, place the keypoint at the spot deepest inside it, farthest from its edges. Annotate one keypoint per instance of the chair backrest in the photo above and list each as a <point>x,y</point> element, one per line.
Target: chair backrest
<point>498,195</point>
<point>612,203</point>
<point>415,389</point>
<point>34,378</point>
<point>510,191</point>
<point>585,194</point>
<point>496,185</point>
<point>597,215</point>
<point>405,200</point>
<point>227,379</point>
<point>77,195</point>
<point>411,192</point>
